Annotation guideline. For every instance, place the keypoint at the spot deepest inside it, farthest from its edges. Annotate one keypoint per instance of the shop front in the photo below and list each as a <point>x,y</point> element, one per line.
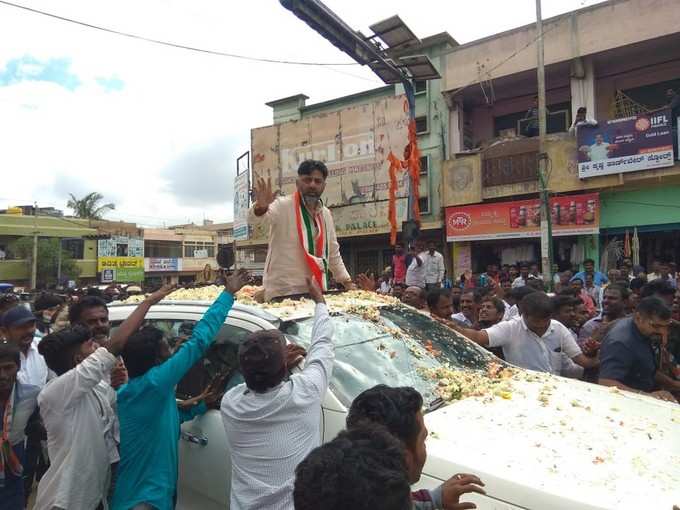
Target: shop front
<point>651,219</point>
<point>509,232</point>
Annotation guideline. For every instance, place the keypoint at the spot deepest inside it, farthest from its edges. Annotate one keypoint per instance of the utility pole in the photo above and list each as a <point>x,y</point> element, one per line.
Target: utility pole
<point>546,221</point>
<point>34,259</point>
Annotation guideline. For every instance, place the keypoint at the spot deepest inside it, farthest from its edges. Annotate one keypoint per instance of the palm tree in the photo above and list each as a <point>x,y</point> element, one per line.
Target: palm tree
<point>88,206</point>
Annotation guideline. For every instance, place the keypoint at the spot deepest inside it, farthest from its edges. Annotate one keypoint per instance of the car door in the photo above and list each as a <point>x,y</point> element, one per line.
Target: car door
<point>204,460</point>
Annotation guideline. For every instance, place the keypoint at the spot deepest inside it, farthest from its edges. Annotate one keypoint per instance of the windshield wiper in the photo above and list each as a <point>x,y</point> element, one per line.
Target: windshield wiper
<point>435,404</point>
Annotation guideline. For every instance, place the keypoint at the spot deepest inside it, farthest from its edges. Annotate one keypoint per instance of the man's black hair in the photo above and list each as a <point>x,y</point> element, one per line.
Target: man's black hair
<point>10,352</point>
<point>435,295</point>
<point>637,283</point>
<point>142,351</point>
<point>562,300</point>
<point>623,291</point>
<point>361,469</point>
<point>76,310</point>
<point>524,264</point>
<point>59,348</point>
<point>537,305</point>
<point>394,408</point>
<point>497,303</point>
<point>46,300</point>
<point>519,293</point>
<point>657,287</point>
<point>588,261</point>
<point>477,294</point>
<point>654,307</point>
<point>309,165</point>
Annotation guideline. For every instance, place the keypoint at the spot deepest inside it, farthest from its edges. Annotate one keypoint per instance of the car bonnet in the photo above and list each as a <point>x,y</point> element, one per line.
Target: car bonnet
<point>567,441</point>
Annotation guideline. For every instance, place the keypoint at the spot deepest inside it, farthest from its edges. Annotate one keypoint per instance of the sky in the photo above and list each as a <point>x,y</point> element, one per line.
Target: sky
<point>156,129</point>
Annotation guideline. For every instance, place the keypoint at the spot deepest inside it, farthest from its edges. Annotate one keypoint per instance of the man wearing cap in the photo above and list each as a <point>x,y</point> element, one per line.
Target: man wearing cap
<point>302,239</point>
<point>272,420</point>
<point>19,328</point>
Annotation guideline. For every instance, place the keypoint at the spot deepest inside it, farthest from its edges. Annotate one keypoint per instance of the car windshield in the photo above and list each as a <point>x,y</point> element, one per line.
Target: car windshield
<point>395,350</point>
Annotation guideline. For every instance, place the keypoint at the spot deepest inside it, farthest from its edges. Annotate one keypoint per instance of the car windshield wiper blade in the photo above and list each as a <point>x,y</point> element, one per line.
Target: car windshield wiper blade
<point>435,404</point>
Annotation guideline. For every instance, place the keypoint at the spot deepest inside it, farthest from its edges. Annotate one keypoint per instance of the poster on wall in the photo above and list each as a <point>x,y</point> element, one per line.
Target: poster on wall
<point>241,205</point>
<point>631,144</point>
<point>570,215</point>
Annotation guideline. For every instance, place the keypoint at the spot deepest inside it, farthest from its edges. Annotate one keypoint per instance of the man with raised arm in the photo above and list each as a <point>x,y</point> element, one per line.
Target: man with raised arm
<point>272,420</point>
<point>302,239</point>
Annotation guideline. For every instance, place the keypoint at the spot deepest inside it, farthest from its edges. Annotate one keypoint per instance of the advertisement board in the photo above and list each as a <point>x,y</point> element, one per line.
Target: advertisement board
<point>570,215</point>
<point>121,269</point>
<point>241,205</point>
<point>631,144</point>
<point>157,264</point>
<point>353,142</point>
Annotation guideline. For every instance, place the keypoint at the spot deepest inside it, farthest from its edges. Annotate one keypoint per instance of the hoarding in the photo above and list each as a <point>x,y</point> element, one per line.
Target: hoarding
<point>241,205</point>
<point>570,215</point>
<point>121,269</point>
<point>157,264</point>
<point>631,144</point>
<point>354,143</point>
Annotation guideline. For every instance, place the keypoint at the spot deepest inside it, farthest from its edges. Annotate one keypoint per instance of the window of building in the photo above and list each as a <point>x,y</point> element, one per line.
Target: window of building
<point>74,247</point>
<point>558,120</point>
<point>650,96</point>
<point>199,249</point>
<point>424,165</point>
<point>421,124</point>
<point>420,86</point>
<point>163,249</point>
<point>121,250</point>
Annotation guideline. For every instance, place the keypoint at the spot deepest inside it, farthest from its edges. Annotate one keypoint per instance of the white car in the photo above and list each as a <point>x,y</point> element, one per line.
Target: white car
<point>537,441</point>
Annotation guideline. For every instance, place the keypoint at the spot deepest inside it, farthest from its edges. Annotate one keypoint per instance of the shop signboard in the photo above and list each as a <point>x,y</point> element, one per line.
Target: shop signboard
<point>570,215</point>
<point>631,144</point>
<point>121,269</point>
<point>158,264</point>
<point>241,195</point>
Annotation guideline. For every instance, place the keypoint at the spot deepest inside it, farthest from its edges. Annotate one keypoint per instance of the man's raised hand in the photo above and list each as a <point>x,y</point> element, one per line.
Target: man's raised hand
<point>263,195</point>
<point>161,294</point>
<point>236,281</point>
<point>315,291</point>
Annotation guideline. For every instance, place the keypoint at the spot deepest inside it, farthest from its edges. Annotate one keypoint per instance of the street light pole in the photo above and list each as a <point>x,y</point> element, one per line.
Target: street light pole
<point>34,258</point>
<point>546,223</point>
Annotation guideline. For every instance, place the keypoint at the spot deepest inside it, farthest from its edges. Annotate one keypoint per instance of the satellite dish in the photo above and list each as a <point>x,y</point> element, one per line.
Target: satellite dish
<point>225,257</point>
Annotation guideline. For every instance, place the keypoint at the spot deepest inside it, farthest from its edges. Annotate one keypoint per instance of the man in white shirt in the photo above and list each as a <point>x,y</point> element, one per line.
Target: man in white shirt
<point>415,272</point>
<point>272,420</point>
<point>302,239</point>
<point>434,266</point>
<point>78,409</point>
<point>19,328</point>
<point>600,149</point>
<point>469,302</point>
<point>521,280</point>
<point>581,119</point>
<point>534,341</point>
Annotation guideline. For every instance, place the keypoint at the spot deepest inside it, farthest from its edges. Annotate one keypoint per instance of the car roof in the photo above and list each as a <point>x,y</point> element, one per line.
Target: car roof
<point>357,302</point>
<point>199,306</point>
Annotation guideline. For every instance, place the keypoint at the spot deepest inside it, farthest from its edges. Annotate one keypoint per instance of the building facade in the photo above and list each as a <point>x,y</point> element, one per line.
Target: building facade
<point>354,135</point>
<point>617,59</point>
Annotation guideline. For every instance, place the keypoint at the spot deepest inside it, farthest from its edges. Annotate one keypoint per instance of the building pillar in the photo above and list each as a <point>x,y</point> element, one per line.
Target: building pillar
<point>582,86</point>
<point>456,120</point>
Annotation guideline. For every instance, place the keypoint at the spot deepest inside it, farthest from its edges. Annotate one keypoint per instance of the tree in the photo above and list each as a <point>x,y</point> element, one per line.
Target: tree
<point>88,206</point>
<point>48,259</point>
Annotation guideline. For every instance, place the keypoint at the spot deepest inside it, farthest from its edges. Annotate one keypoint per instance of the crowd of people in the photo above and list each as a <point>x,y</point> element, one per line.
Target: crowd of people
<point>90,412</point>
<point>619,329</point>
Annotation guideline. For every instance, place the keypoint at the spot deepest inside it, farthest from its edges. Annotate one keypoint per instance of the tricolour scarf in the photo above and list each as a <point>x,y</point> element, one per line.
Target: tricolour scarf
<point>314,248</point>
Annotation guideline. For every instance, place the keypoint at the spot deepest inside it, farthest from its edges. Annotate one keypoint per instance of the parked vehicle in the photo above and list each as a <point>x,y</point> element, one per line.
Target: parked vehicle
<point>536,440</point>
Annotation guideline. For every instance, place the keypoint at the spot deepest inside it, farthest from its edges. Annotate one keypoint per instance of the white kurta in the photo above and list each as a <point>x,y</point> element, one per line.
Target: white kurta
<point>285,269</point>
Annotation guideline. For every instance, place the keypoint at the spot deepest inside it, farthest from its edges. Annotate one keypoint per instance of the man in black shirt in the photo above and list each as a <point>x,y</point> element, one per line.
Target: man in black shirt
<point>627,358</point>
